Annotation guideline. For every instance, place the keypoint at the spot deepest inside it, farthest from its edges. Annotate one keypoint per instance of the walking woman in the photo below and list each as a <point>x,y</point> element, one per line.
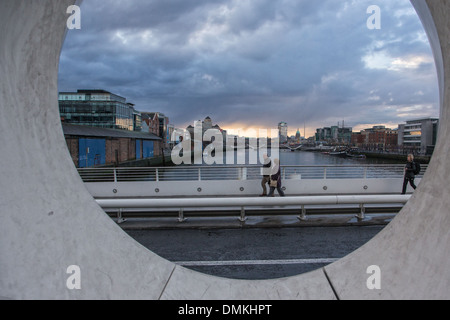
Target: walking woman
<point>410,170</point>
<point>275,179</point>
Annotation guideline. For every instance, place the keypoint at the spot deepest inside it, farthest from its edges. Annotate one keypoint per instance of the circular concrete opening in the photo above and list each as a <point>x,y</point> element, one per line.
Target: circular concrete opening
<point>43,236</point>
<point>374,62</point>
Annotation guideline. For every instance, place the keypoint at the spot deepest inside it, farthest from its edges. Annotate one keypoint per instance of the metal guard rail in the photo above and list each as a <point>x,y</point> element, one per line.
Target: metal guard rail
<point>301,202</point>
<point>240,173</point>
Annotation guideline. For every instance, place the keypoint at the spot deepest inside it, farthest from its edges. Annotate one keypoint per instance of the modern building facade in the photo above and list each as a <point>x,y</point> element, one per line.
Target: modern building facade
<point>98,108</point>
<point>163,128</point>
<point>419,136</point>
<point>334,135</point>
<point>323,134</point>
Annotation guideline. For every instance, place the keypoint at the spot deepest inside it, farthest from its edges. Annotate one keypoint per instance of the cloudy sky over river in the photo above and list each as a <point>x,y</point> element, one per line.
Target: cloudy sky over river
<point>254,63</point>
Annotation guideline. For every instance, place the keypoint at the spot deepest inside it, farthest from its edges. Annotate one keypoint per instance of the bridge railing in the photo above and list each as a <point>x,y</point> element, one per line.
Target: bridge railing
<point>210,173</point>
<point>270,204</point>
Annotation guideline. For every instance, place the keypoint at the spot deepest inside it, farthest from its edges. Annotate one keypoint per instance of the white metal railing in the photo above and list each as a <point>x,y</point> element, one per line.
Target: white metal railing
<point>272,203</point>
<point>209,173</point>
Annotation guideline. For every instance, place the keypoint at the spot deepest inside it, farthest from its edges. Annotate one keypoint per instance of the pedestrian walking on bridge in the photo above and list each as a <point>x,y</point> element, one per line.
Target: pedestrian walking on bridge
<point>410,174</point>
<point>266,170</point>
<point>275,179</point>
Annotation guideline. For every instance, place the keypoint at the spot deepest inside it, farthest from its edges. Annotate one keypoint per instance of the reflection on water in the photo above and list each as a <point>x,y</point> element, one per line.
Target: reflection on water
<point>317,158</point>
<point>300,158</point>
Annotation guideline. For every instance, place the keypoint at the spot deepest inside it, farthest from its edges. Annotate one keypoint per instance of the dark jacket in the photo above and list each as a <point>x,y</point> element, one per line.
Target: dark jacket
<point>410,169</point>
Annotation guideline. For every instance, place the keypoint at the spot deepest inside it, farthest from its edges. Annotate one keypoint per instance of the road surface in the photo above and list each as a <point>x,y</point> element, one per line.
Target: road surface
<point>255,253</point>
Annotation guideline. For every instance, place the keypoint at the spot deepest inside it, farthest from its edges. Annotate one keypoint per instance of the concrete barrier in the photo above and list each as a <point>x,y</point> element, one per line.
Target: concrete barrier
<point>57,243</point>
<point>243,188</point>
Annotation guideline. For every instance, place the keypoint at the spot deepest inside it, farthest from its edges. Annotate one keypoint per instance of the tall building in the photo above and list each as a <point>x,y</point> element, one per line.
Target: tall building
<point>98,108</point>
<point>163,128</point>
<point>207,123</point>
<point>419,135</point>
<point>323,134</point>
<point>283,132</point>
<point>170,131</point>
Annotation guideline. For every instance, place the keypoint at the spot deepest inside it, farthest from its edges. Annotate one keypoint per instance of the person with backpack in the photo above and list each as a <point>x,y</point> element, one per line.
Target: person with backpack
<point>411,170</point>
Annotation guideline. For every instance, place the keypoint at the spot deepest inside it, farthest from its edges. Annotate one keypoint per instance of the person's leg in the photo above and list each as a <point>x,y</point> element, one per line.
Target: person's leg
<point>405,185</point>
<point>411,182</point>
<point>272,191</point>
<point>281,192</point>
<point>264,187</point>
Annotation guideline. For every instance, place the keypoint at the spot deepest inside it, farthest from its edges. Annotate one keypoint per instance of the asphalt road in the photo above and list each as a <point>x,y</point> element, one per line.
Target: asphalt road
<point>255,253</point>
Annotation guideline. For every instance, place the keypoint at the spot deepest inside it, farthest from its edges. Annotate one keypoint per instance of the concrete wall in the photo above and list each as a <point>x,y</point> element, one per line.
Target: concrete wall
<point>249,188</point>
<point>49,221</point>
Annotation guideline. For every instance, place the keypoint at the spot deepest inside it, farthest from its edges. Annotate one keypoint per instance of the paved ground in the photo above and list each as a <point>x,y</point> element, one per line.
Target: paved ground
<point>255,253</point>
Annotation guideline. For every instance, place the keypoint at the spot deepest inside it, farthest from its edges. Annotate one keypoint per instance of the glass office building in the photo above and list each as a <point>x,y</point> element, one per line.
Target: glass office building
<point>98,108</point>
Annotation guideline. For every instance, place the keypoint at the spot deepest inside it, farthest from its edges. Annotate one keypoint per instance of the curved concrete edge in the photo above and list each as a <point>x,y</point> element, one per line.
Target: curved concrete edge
<point>191,285</point>
<point>412,252</point>
<point>48,219</point>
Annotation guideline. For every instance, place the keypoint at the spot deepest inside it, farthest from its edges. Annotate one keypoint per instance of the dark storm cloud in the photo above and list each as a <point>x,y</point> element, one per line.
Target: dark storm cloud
<point>257,61</point>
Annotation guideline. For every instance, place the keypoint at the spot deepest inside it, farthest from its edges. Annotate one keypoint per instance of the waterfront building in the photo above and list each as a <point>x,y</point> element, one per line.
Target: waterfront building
<point>334,135</point>
<point>92,146</point>
<point>419,136</point>
<point>377,138</point>
<point>137,120</point>
<point>163,128</point>
<point>203,126</point>
<point>323,134</point>
<point>150,122</point>
<point>341,134</point>
<point>98,108</point>
<point>170,131</point>
<point>283,132</point>
<point>207,124</point>
<point>158,124</point>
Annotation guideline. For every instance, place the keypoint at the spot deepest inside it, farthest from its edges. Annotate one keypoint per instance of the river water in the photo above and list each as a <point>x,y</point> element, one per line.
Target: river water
<point>303,158</point>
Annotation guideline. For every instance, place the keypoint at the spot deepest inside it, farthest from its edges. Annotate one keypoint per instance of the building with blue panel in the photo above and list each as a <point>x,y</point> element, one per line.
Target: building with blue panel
<point>92,147</point>
<point>91,152</point>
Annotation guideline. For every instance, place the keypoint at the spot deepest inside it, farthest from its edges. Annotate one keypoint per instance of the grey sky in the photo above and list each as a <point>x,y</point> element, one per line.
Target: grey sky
<point>254,63</point>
